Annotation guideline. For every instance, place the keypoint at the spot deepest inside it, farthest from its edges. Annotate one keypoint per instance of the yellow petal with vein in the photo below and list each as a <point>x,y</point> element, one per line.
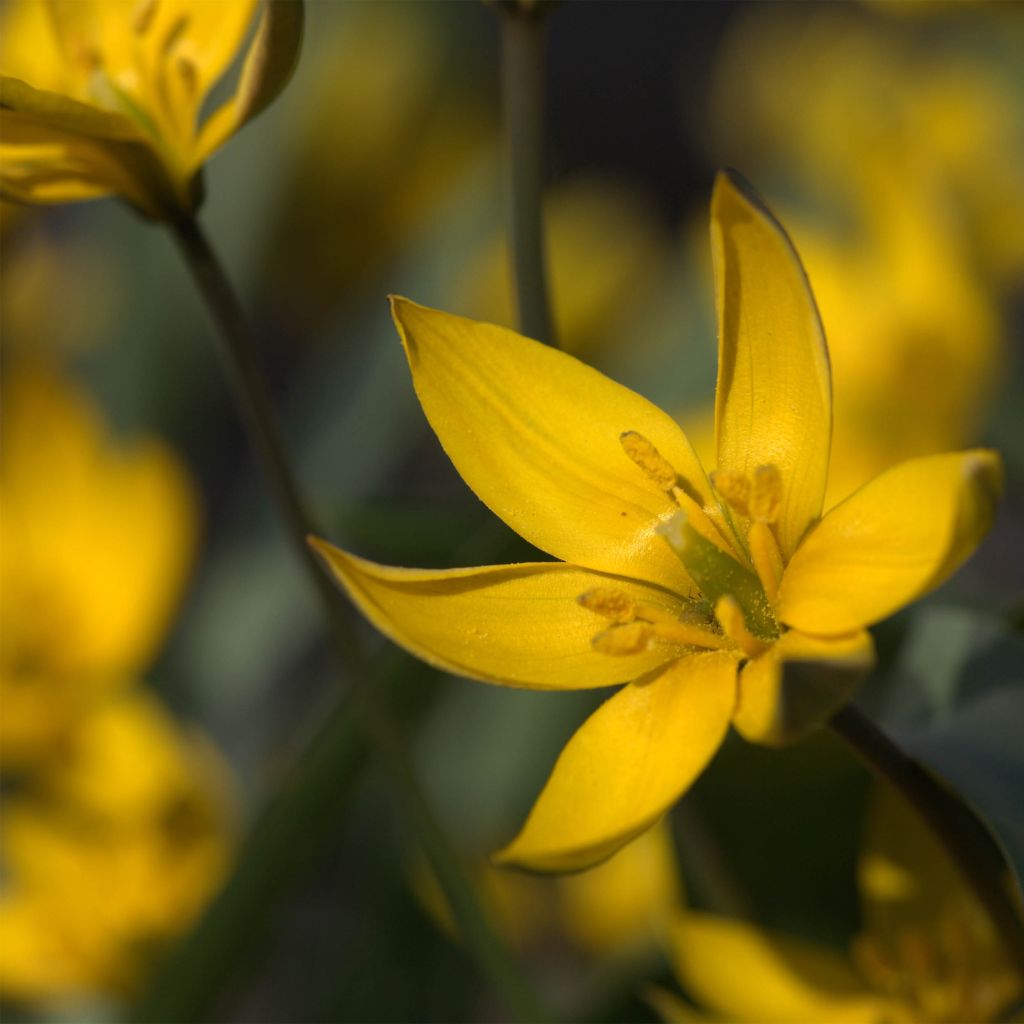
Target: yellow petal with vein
<point>774,397</point>
<point>518,625</point>
<point>798,683</point>
<point>627,764</point>
<point>535,433</point>
<point>745,974</point>
<point>896,538</point>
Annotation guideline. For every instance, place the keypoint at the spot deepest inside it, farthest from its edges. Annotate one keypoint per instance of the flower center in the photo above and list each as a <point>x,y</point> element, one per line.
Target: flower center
<point>738,585</point>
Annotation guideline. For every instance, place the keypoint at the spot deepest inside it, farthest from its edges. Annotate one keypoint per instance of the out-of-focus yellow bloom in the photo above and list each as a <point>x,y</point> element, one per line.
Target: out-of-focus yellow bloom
<point>107,97</point>
<point>402,142</point>
<point>605,255</point>
<point>928,953</point>
<point>729,599</point>
<point>612,910</point>
<point>932,111</point>
<point>98,538</point>
<point>114,852</point>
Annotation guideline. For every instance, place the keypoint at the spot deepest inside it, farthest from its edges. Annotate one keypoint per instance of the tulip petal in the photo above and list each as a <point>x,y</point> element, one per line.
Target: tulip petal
<point>517,625</point>
<point>536,434</point>
<point>627,764</point>
<point>899,536</point>
<point>774,397</point>
<point>269,65</point>
<point>799,683</point>
<point>743,973</point>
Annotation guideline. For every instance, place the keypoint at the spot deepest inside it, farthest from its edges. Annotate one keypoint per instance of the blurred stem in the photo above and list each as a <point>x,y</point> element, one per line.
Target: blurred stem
<point>522,94</point>
<point>964,838</point>
<point>309,792</point>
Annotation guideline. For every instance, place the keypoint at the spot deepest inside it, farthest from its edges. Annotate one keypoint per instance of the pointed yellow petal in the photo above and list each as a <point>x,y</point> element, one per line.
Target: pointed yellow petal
<point>799,683</point>
<point>745,974</point>
<point>62,113</point>
<point>774,398</point>
<point>627,764</point>
<point>536,433</point>
<point>896,538</point>
<point>268,67</point>
<point>519,625</point>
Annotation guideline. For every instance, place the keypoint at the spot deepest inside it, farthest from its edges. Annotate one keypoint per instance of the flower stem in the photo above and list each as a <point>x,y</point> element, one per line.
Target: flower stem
<point>522,92</point>
<point>337,750</point>
<point>964,838</point>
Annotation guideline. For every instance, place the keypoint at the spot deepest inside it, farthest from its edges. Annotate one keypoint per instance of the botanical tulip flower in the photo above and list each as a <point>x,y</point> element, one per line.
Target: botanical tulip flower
<point>98,538</point>
<point>719,599</point>
<point>108,97</point>
<point>927,954</point>
<point>111,855</point>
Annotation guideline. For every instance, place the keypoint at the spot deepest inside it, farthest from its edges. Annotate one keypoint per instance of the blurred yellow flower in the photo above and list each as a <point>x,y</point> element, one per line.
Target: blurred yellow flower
<point>753,612</point>
<point>927,955</point>
<point>108,97</point>
<point>98,538</point>
<point>111,854</point>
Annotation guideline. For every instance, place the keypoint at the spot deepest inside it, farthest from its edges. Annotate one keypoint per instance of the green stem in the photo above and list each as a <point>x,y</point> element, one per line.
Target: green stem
<point>522,89</point>
<point>299,810</point>
<point>963,837</point>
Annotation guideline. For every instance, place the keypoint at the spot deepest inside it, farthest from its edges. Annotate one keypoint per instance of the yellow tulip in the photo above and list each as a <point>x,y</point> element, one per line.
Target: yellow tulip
<point>107,97</point>
<point>927,954</point>
<point>97,543</point>
<point>718,599</point>
<point>111,855</point>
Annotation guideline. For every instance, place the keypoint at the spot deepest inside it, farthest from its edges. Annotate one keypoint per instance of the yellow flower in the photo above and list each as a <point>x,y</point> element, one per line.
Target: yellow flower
<point>927,954</point>
<point>111,856</point>
<point>729,599</point>
<point>107,97</point>
<point>97,542</point>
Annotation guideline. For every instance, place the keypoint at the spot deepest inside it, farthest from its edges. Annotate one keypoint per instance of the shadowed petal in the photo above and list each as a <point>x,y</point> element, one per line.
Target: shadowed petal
<point>627,764</point>
<point>896,538</point>
<point>536,433</point>
<point>798,683</point>
<point>519,625</point>
<point>774,398</point>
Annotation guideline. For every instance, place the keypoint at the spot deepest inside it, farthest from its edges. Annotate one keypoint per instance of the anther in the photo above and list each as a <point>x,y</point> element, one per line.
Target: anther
<point>609,603</point>
<point>632,638</point>
<point>143,17</point>
<point>189,75</point>
<point>649,459</point>
<point>730,618</point>
<point>765,494</point>
<point>734,489</point>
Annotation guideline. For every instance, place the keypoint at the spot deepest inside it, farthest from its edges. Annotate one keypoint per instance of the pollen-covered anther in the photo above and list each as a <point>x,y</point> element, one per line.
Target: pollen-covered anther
<point>189,74</point>
<point>733,488</point>
<point>143,16</point>
<point>765,494</point>
<point>631,638</point>
<point>656,467</point>
<point>730,617</point>
<point>609,603</point>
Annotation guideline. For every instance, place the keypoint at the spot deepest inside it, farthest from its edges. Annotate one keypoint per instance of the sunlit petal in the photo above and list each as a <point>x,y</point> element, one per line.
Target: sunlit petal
<point>896,538</point>
<point>536,433</point>
<point>774,402</point>
<point>627,764</point>
<point>519,625</point>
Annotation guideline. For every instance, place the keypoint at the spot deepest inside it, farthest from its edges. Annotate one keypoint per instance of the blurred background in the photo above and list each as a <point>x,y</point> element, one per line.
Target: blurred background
<point>162,658</point>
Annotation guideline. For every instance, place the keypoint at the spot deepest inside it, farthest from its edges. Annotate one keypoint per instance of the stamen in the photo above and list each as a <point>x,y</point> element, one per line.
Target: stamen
<point>189,74</point>
<point>609,603</point>
<point>734,488</point>
<point>143,17</point>
<point>649,459</point>
<point>730,618</point>
<point>690,636</point>
<point>700,521</point>
<point>173,34</point>
<point>765,494</point>
<point>767,559</point>
<point>633,638</point>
